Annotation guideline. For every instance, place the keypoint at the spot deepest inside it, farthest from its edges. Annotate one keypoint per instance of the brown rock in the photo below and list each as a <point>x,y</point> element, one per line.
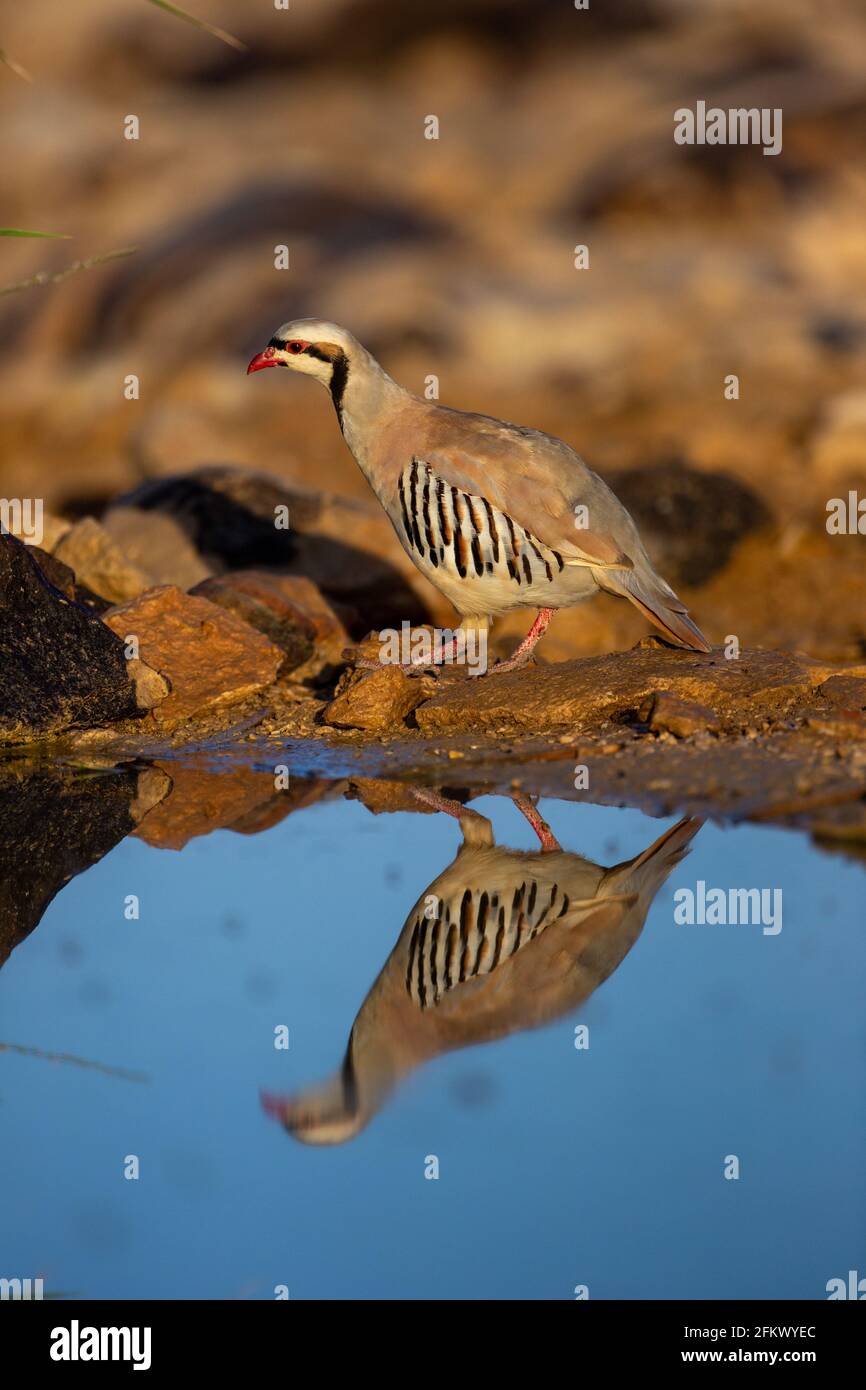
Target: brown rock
<point>290,610</point>
<point>153,786</point>
<point>301,792</point>
<point>98,562</point>
<point>844,692</point>
<point>843,724</point>
<point>667,713</point>
<point>54,528</point>
<point>368,649</point>
<point>843,828</point>
<point>376,700</point>
<point>760,686</point>
<point>201,800</point>
<point>150,687</point>
<point>414,641</point>
<point>208,655</point>
<point>157,545</point>
<point>380,795</point>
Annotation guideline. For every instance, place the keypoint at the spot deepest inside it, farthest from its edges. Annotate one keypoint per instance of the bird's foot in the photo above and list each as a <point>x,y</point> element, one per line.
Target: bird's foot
<point>512,663</point>
<point>410,668</point>
<point>426,656</point>
<point>477,829</point>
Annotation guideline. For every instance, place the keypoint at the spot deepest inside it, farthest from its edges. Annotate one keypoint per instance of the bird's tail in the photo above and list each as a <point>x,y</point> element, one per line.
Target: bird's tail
<point>647,871</point>
<point>657,601</point>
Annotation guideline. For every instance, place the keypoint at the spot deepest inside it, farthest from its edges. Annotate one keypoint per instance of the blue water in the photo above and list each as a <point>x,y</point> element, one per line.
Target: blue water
<point>558,1167</point>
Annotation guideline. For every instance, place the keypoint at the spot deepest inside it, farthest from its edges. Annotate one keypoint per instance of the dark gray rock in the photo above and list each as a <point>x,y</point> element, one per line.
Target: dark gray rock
<point>60,666</point>
<point>54,825</point>
<point>63,577</point>
<point>690,521</point>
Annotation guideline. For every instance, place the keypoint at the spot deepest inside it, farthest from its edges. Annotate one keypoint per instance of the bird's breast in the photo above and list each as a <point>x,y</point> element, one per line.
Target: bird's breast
<point>474,930</point>
<point>481,558</point>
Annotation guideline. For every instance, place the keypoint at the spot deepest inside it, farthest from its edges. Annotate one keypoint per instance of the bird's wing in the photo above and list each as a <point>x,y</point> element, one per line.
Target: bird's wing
<point>546,488</point>
<point>540,483</point>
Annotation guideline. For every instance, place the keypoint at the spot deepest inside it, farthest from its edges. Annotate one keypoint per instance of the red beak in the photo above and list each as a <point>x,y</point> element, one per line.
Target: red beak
<point>268,358</point>
<point>273,1105</point>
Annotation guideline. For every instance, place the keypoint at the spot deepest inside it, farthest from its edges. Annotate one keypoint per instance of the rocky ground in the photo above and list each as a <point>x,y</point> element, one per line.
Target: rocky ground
<point>219,647</point>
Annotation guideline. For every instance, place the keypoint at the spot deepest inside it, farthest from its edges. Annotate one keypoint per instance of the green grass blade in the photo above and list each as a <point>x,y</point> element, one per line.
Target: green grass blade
<point>45,277</point>
<point>17,231</point>
<point>200,24</point>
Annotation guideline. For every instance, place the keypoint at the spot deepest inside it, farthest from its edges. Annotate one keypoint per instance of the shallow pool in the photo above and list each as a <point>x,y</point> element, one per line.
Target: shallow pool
<point>598,1099</point>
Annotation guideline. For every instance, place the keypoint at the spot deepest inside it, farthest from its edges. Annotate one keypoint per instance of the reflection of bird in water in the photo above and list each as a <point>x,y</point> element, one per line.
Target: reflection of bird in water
<point>502,940</point>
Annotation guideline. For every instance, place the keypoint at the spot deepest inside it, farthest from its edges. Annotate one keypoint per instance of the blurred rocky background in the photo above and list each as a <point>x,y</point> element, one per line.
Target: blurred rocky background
<point>454,258</point>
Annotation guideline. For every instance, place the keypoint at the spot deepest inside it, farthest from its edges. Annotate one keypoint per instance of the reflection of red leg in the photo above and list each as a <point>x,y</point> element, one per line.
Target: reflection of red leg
<point>440,802</point>
<point>476,828</point>
<point>520,657</point>
<point>528,808</point>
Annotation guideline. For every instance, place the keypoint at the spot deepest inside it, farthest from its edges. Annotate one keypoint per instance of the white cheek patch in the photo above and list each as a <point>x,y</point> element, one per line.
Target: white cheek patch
<point>310,366</point>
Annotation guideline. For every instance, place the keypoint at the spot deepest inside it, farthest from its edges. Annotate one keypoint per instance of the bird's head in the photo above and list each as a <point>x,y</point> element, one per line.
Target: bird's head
<point>322,350</point>
<point>330,1113</point>
<point>312,1118</point>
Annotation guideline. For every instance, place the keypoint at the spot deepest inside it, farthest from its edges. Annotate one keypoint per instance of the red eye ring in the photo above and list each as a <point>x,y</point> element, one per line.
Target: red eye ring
<point>295,347</point>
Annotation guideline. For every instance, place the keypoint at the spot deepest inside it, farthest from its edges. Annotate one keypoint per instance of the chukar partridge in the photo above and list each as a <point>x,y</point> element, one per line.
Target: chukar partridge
<point>497,516</point>
<point>503,940</point>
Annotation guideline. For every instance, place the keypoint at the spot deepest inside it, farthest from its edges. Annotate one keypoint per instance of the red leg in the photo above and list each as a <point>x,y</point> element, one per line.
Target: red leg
<point>520,657</point>
<point>549,842</point>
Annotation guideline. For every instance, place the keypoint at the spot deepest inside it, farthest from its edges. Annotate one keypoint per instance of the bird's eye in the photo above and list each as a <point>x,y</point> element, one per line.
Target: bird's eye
<point>295,347</point>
